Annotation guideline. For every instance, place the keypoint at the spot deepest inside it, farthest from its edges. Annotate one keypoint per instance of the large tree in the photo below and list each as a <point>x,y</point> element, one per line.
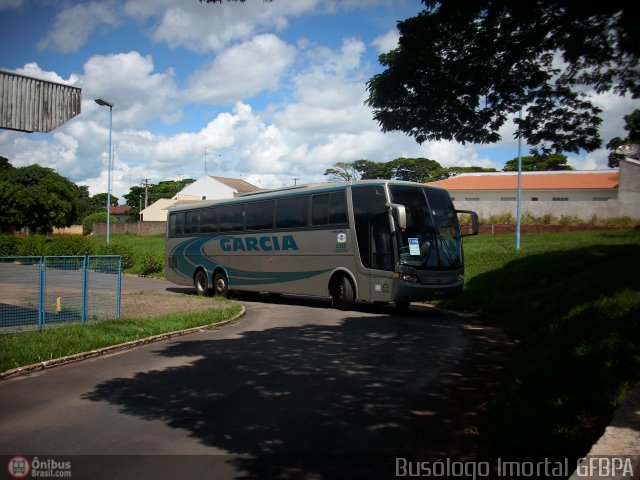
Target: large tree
<point>556,161</point>
<point>408,169</point>
<point>462,69</point>
<point>164,189</point>
<point>37,198</point>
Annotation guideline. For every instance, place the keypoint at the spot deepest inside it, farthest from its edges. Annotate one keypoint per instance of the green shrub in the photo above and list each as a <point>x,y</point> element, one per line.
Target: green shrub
<point>32,246</point>
<point>8,245</point>
<point>150,263</point>
<point>124,251</point>
<point>502,219</point>
<point>69,245</point>
<point>569,220</point>
<point>89,220</point>
<point>626,222</point>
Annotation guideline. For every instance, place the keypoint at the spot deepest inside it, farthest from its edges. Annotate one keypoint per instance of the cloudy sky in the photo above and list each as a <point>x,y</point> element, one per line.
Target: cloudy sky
<point>267,92</point>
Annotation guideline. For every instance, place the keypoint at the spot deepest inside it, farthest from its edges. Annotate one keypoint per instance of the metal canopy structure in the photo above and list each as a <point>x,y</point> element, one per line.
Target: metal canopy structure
<point>29,104</point>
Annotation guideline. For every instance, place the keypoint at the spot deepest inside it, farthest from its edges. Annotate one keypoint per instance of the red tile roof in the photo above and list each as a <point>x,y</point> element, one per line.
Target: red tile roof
<point>574,180</point>
<point>120,210</point>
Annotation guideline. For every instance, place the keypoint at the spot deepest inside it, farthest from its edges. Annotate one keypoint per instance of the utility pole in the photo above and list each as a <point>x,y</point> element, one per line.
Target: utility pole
<point>144,182</point>
<point>295,181</point>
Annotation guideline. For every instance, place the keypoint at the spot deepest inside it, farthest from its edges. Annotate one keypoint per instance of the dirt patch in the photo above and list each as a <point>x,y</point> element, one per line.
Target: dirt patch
<point>152,304</point>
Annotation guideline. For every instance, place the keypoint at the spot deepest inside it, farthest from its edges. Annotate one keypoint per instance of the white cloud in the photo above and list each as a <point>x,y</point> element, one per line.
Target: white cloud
<point>242,71</point>
<point>73,26</point>
<point>596,160</point>
<point>387,42</point>
<point>204,27</point>
<point>10,4</point>
<point>614,108</point>
<point>128,80</point>
<point>33,70</point>
<point>449,154</point>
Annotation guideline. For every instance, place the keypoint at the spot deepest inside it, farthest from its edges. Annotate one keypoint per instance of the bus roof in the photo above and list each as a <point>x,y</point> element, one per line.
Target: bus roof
<point>296,190</point>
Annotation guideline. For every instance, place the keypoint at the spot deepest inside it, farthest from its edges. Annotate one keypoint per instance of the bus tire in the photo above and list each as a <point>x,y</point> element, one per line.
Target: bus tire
<point>201,283</point>
<point>342,294</point>
<point>221,285</point>
<point>403,305</point>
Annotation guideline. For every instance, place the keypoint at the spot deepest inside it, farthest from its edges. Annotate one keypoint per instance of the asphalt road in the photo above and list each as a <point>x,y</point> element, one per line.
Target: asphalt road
<point>277,394</point>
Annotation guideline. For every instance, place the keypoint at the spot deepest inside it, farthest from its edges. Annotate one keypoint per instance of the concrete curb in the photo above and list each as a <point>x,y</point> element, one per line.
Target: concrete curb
<point>77,357</point>
<point>620,440</point>
<point>452,312</point>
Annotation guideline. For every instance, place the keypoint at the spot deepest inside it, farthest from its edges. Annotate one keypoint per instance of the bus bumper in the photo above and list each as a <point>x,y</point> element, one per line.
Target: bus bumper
<point>415,291</point>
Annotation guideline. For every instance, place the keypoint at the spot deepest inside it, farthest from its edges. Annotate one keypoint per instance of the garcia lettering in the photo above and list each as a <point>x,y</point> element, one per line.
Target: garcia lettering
<point>258,244</point>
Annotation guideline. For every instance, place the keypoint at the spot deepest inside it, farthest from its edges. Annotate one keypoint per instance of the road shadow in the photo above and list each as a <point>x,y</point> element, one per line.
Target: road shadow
<point>286,399</point>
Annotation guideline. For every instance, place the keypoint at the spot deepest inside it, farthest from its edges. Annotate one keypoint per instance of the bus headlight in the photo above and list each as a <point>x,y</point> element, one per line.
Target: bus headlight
<point>407,277</point>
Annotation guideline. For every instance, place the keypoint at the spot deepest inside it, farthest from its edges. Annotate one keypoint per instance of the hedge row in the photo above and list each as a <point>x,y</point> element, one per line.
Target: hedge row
<point>61,245</point>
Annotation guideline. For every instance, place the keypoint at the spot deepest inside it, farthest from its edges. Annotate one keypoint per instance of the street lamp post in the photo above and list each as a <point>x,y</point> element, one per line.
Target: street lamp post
<point>105,103</point>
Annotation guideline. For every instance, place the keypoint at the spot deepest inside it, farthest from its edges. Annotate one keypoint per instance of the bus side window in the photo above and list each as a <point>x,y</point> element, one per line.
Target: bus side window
<point>191,223</point>
<point>260,215</point>
<point>176,222</point>
<point>232,218</point>
<point>292,212</point>
<point>320,210</point>
<point>329,209</point>
<point>209,220</point>
<point>337,208</point>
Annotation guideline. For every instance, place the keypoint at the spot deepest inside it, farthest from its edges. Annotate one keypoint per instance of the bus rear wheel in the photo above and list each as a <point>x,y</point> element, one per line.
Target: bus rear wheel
<point>342,294</point>
<point>201,283</point>
<point>221,285</point>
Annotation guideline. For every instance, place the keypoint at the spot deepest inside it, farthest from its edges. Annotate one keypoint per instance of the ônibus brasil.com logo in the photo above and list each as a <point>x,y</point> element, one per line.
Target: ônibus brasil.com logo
<point>19,467</point>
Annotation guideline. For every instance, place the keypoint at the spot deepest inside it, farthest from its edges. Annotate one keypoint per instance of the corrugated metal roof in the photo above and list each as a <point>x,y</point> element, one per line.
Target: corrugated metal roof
<point>32,105</point>
<point>573,180</point>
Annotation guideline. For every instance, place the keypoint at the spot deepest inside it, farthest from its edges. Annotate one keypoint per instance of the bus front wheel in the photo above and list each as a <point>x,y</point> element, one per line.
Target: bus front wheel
<point>220,285</point>
<point>342,294</point>
<point>201,283</point>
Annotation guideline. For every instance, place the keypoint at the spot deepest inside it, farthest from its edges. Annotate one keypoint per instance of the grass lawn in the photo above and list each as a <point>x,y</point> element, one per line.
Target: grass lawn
<point>22,349</point>
<point>571,303</point>
<point>141,247</point>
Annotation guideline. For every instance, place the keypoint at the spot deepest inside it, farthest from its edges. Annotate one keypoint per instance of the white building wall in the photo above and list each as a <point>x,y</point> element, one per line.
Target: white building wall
<point>206,188</point>
<point>580,209</point>
<point>530,195</point>
<point>157,211</point>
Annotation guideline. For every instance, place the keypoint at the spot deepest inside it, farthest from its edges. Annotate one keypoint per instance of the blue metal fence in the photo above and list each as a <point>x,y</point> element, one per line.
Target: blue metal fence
<point>36,292</point>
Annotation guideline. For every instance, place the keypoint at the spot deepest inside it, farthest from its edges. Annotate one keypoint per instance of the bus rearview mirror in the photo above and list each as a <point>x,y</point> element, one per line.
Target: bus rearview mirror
<point>475,222</point>
<point>399,214</point>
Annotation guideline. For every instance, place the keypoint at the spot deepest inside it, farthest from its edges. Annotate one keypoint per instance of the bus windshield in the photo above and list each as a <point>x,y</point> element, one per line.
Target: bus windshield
<point>432,237</point>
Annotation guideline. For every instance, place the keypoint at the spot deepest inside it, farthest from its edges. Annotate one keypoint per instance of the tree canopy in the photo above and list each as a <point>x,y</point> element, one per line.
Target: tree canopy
<point>534,163</point>
<point>164,189</point>
<point>463,68</point>
<point>408,169</point>
<point>36,197</point>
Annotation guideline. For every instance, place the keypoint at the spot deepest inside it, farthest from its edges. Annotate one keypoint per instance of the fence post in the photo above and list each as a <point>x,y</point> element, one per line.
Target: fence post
<point>42,315</point>
<point>85,267</point>
<point>119,287</point>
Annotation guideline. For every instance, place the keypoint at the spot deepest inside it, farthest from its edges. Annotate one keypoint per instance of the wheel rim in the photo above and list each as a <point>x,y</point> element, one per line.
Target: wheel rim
<point>221,285</point>
<point>201,283</point>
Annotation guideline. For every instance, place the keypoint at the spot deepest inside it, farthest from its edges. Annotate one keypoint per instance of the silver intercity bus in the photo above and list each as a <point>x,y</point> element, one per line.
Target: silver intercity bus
<point>371,240</point>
